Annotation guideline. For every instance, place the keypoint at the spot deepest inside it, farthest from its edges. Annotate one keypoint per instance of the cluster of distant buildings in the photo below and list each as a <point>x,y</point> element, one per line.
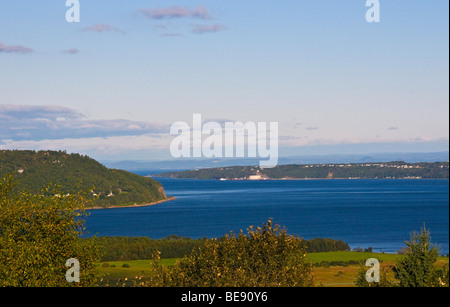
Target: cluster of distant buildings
<point>365,165</point>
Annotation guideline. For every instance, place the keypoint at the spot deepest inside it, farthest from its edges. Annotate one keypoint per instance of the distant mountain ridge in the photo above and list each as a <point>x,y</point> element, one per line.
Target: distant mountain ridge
<point>34,170</point>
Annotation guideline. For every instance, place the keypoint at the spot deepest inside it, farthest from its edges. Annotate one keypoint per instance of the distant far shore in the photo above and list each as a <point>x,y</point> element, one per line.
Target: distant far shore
<point>287,179</point>
<point>357,178</point>
<point>134,205</point>
<point>379,170</point>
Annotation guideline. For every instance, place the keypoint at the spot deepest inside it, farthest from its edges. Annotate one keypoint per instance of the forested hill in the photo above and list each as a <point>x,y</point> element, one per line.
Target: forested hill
<point>73,172</point>
<point>385,170</point>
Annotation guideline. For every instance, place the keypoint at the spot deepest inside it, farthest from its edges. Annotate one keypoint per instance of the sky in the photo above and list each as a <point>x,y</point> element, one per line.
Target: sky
<point>111,85</point>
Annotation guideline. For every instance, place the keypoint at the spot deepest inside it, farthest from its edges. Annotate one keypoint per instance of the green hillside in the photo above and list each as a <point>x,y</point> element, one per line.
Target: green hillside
<point>381,170</point>
<point>73,172</point>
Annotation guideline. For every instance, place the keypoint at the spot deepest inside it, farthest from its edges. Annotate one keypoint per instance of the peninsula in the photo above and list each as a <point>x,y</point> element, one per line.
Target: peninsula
<point>106,188</point>
<point>381,170</point>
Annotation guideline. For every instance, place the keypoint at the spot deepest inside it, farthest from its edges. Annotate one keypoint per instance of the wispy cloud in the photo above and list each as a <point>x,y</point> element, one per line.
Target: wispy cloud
<point>100,28</point>
<point>183,14</point>
<point>176,12</point>
<point>201,29</point>
<point>14,49</point>
<point>71,51</point>
<point>37,123</point>
<point>171,35</point>
<point>312,128</point>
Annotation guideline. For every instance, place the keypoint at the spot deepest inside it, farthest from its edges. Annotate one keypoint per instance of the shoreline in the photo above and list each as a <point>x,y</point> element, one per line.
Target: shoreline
<point>135,205</point>
<point>356,178</point>
<point>287,179</point>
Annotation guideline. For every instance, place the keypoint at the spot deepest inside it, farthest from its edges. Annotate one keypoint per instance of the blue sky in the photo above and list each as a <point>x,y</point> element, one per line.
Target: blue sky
<point>113,84</point>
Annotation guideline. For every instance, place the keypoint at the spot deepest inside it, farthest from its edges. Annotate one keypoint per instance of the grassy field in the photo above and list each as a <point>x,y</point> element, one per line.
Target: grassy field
<point>339,270</point>
<point>317,258</point>
<point>115,272</point>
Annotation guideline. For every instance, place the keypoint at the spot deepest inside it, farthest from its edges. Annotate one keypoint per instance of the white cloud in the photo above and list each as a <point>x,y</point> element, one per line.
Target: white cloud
<point>35,123</point>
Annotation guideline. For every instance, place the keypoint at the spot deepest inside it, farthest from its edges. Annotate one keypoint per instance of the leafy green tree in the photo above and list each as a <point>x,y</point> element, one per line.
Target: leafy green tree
<point>264,257</point>
<point>417,266</point>
<point>38,234</point>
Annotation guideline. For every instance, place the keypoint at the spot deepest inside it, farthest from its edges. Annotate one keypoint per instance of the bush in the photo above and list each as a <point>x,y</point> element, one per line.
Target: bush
<point>38,234</point>
<point>265,257</point>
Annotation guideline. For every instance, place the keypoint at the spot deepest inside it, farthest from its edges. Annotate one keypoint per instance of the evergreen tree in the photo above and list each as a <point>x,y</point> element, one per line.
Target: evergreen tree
<point>417,266</point>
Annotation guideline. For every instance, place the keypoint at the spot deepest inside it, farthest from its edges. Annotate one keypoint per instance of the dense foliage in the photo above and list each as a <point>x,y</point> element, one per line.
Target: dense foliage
<point>264,257</point>
<point>322,171</point>
<point>74,172</point>
<point>319,245</point>
<point>38,234</point>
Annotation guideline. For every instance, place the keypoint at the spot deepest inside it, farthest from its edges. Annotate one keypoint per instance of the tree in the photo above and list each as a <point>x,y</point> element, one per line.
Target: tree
<point>38,234</point>
<point>416,268</point>
<point>265,257</point>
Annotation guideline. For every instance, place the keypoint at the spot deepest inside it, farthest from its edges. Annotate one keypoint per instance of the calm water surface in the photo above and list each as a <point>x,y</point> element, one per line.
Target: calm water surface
<point>376,213</point>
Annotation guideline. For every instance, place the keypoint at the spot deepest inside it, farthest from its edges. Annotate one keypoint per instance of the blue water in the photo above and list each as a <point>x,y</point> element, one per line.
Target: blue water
<point>367,213</point>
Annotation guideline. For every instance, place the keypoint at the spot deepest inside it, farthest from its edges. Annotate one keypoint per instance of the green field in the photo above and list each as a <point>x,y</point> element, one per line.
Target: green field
<point>342,256</point>
<point>115,272</point>
<point>340,272</point>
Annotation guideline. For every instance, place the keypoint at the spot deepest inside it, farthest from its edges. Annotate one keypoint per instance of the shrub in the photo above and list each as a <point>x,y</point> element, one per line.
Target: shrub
<point>38,234</point>
<point>264,257</point>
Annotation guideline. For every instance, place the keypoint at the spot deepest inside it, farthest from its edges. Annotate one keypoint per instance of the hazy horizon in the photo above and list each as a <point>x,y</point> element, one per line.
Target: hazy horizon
<point>111,85</point>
